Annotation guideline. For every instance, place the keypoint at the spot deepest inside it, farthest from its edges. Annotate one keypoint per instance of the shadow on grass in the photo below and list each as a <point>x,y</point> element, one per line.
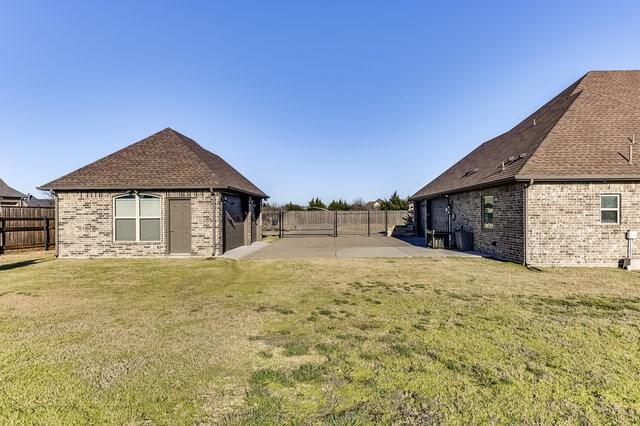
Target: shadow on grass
<point>14,265</point>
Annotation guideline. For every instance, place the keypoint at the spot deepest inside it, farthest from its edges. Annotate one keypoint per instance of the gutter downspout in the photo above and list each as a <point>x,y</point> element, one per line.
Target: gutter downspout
<point>57,219</point>
<point>213,227</point>
<point>526,221</point>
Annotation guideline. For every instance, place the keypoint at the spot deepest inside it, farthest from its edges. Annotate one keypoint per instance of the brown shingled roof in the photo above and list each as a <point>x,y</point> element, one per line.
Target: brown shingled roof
<point>165,160</point>
<point>581,134</point>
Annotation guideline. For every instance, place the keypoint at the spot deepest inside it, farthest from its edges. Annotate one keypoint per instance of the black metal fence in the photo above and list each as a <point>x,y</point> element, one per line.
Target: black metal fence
<point>332,223</point>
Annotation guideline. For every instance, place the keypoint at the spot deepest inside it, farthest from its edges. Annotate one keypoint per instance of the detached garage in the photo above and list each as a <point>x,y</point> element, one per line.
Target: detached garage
<point>164,195</point>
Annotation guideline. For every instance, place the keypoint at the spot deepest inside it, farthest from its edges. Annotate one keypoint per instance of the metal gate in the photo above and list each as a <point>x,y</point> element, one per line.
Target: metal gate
<point>331,223</point>
<point>438,215</point>
<point>233,222</point>
<point>439,235</point>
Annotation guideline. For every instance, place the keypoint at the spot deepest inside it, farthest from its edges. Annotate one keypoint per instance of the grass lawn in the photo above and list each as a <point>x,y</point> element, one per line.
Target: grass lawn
<point>451,340</point>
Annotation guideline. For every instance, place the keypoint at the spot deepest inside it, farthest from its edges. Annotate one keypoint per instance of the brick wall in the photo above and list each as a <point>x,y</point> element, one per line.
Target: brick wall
<point>564,226</point>
<point>218,243</point>
<point>85,225</point>
<point>247,222</point>
<point>259,223</point>
<point>506,240</point>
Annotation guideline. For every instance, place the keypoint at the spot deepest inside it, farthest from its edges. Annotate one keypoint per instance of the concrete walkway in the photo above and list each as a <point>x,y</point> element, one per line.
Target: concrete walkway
<point>348,247</point>
<point>244,251</point>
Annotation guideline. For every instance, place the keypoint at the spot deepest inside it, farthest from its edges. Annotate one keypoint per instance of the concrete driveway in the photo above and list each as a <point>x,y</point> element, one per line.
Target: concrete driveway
<point>348,247</point>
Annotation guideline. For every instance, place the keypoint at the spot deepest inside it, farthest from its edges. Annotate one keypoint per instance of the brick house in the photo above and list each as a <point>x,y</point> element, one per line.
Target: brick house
<point>559,189</point>
<point>164,195</point>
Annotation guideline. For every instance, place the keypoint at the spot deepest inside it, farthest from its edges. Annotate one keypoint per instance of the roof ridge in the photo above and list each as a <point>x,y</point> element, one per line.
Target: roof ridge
<point>41,187</point>
<point>552,128</point>
<point>198,149</point>
<point>517,131</point>
<point>611,71</point>
<point>520,143</point>
<point>177,161</point>
<point>571,89</point>
<point>611,98</point>
<point>587,90</point>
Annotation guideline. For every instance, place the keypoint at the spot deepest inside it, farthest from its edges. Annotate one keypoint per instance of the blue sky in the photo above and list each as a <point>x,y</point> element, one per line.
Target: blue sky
<point>329,98</point>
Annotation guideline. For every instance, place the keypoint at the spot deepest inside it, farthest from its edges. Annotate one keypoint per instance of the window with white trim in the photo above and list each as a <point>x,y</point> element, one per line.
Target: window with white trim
<point>487,212</point>
<point>610,208</point>
<point>136,217</point>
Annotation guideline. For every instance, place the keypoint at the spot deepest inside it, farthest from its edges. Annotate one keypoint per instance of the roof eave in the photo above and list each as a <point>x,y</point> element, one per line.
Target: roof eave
<point>256,194</point>
<point>529,178</point>
<point>52,188</point>
<point>464,189</point>
<point>578,178</point>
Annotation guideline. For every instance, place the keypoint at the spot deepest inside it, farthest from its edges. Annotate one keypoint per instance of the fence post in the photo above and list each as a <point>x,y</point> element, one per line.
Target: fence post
<point>46,233</point>
<point>368,223</point>
<point>1,235</point>
<point>335,223</point>
<point>386,222</point>
<point>280,214</point>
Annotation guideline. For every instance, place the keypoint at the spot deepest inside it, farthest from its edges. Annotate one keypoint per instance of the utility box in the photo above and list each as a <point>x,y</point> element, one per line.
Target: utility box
<point>631,264</point>
<point>464,241</point>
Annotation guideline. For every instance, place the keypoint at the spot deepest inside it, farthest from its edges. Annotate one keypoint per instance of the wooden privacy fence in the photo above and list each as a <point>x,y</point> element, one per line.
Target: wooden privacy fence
<point>332,223</point>
<point>27,228</point>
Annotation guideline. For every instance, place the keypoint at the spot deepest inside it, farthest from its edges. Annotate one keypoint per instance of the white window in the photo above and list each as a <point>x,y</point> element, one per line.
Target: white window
<point>610,208</point>
<point>136,218</point>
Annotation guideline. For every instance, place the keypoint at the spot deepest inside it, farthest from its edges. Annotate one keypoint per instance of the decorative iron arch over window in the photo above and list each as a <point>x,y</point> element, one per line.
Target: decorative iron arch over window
<point>136,217</point>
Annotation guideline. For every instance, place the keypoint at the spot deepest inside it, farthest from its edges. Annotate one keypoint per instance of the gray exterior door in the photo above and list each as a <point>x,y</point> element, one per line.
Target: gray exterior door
<point>233,222</point>
<point>180,226</point>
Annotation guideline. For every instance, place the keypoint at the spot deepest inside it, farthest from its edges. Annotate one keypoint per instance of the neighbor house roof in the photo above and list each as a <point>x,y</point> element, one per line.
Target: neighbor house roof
<point>165,160</point>
<point>582,134</point>
<point>7,192</point>
<point>31,201</point>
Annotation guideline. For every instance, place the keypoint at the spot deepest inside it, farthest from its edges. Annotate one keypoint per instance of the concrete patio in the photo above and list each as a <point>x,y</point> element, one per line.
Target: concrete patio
<point>343,247</point>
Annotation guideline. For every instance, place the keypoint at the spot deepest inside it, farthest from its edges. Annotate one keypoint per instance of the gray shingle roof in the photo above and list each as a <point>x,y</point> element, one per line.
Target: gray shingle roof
<point>32,201</point>
<point>581,134</point>
<point>165,160</point>
<point>7,191</point>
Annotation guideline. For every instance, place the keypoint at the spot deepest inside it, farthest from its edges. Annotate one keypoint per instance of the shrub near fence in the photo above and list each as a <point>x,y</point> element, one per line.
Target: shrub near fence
<point>331,223</point>
<point>24,228</point>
